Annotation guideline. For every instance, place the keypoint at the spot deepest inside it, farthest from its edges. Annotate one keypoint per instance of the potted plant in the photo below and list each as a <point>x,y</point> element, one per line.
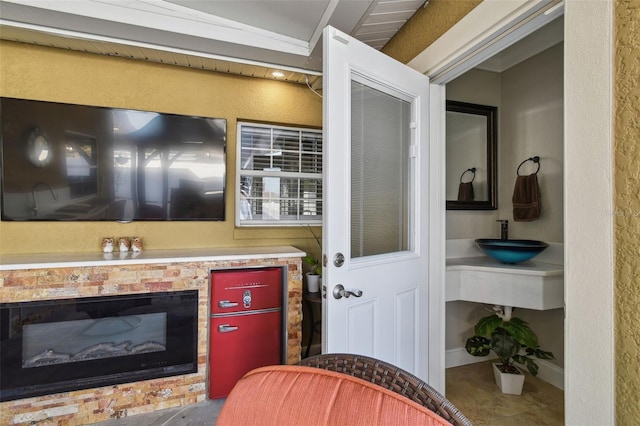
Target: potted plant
<point>506,336</point>
<point>315,273</point>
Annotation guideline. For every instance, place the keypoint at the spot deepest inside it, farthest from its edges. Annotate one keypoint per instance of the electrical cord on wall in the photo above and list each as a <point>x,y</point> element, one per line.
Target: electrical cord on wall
<point>306,79</point>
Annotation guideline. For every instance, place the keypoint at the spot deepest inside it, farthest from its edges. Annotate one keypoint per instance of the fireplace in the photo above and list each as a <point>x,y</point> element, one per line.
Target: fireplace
<point>62,345</point>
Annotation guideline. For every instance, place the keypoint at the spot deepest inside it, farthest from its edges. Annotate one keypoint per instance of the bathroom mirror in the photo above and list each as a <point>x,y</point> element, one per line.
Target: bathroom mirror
<point>471,156</point>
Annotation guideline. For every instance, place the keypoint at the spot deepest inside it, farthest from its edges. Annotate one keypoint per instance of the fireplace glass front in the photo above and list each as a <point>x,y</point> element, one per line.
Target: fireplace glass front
<point>61,345</point>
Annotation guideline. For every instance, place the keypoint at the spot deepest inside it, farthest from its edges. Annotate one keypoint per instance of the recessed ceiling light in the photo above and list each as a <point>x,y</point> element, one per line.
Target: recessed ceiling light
<point>277,74</point>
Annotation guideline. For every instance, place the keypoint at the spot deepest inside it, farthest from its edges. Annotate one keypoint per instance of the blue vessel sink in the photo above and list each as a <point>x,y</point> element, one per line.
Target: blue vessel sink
<point>511,251</point>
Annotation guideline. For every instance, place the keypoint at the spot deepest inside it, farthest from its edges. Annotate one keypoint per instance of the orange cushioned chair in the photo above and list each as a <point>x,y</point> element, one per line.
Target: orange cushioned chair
<point>390,377</point>
<point>292,395</point>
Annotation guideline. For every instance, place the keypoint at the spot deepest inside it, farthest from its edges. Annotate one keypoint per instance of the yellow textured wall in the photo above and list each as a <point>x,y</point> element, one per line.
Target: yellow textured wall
<point>428,23</point>
<point>33,72</point>
<point>627,202</point>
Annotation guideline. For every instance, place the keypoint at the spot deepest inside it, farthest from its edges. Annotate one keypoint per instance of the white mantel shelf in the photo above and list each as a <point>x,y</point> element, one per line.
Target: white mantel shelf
<point>65,260</point>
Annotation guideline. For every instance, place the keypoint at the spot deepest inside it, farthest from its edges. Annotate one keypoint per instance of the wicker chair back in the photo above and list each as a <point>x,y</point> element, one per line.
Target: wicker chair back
<point>391,377</point>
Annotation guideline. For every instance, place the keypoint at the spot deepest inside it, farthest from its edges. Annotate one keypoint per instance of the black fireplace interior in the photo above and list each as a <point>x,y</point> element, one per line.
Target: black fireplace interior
<point>62,345</point>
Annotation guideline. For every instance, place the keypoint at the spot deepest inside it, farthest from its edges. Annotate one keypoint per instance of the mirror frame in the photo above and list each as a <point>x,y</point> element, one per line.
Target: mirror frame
<point>491,113</point>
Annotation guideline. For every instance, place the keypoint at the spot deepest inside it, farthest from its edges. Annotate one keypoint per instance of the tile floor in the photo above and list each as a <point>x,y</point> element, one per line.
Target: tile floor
<point>471,388</point>
<point>200,414</point>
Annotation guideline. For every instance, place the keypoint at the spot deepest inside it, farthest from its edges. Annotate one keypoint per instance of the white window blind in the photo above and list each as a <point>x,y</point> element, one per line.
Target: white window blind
<point>279,175</point>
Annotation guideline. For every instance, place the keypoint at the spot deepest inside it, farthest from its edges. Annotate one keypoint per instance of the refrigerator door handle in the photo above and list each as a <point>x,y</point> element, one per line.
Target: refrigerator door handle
<point>227,304</point>
<point>226,328</point>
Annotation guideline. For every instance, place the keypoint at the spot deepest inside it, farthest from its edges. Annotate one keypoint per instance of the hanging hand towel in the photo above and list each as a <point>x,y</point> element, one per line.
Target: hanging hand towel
<point>526,199</point>
<point>465,191</point>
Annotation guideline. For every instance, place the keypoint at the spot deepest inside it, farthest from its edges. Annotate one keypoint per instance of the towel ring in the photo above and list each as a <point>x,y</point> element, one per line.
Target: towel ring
<point>535,159</point>
<point>472,170</point>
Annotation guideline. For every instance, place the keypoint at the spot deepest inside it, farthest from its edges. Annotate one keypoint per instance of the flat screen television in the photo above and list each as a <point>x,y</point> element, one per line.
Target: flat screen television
<point>64,162</point>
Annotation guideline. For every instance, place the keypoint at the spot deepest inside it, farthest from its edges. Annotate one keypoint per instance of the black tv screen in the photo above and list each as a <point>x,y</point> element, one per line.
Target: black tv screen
<point>64,162</point>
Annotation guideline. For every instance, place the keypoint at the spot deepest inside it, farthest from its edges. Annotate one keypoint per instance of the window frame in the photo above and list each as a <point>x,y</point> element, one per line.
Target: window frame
<point>314,220</point>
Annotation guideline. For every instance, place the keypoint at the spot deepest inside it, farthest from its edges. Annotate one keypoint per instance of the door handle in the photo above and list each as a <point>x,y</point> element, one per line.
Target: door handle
<point>227,304</point>
<point>226,328</point>
<point>339,292</point>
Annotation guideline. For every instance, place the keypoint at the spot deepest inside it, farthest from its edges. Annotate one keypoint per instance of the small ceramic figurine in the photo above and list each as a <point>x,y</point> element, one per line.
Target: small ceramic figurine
<point>107,245</point>
<point>124,244</point>
<point>136,244</point>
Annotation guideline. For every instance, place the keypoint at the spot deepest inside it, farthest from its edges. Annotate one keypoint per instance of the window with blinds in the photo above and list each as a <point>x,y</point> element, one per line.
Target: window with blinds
<point>279,175</point>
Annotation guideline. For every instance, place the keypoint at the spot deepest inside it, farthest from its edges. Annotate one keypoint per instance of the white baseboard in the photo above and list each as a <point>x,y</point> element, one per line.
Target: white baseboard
<point>460,356</point>
<point>551,373</point>
<point>547,371</point>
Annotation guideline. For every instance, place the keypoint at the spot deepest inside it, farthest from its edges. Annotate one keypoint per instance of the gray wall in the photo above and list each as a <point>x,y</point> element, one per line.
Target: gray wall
<point>532,124</point>
<point>477,87</point>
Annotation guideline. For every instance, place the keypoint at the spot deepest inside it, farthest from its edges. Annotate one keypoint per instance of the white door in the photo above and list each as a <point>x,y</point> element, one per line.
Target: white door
<point>376,205</point>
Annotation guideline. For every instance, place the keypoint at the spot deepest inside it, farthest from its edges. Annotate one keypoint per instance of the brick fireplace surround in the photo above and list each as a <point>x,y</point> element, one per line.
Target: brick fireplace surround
<point>62,276</point>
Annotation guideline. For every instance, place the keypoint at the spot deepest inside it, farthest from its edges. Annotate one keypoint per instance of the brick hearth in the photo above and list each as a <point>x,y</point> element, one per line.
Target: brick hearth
<point>92,405</point>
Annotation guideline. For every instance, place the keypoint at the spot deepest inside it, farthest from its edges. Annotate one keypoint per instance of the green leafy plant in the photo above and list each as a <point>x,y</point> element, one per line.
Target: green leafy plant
<point>316,266</point>
<point>314,263</point>
<point>506,336</point>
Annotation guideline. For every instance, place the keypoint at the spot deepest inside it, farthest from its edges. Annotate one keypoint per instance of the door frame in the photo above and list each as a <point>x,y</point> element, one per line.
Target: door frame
<point>588,120</point>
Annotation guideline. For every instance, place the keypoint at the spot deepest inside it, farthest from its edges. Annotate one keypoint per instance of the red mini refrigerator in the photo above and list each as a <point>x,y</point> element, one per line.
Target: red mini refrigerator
<point>247,328</point>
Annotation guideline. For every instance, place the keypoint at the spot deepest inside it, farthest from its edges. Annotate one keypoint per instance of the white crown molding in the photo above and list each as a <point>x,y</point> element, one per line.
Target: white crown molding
<point>488,29</point>
<point>157,15</point>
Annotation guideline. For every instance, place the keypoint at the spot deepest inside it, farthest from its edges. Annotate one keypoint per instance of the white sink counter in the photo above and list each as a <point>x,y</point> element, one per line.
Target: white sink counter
<point>475,277</point>
<point>530,267</point>
<point>62,260</point>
